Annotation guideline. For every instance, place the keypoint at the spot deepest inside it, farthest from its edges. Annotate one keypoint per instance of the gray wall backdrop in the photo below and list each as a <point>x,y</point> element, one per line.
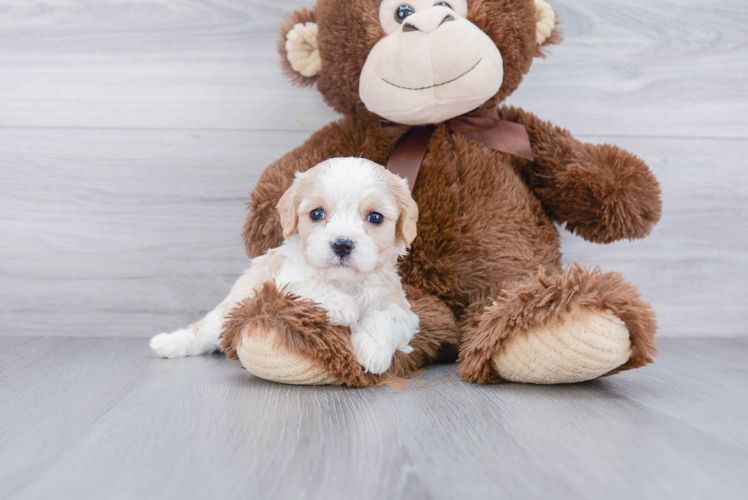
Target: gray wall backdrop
<point>132,131</point>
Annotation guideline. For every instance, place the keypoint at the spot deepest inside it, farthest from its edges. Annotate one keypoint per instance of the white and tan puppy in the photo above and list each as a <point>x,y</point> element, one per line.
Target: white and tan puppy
<point>345,223</point>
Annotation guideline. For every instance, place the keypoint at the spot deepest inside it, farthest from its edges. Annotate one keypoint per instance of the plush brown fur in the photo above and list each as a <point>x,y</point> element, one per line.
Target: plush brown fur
<point>602,193</point>
<point>487,219</point>
<point>302,328</point>
<point>539,299</point>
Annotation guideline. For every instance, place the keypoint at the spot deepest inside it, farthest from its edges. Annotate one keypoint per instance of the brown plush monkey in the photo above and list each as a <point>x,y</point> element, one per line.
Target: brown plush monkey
<point>484,273</point>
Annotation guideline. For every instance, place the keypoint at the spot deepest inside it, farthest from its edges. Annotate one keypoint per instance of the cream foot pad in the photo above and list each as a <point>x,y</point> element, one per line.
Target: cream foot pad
<point>576,348</point>
<point>263,358</point>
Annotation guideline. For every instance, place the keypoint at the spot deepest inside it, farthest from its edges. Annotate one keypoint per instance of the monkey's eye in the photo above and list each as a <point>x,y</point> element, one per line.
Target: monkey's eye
<point>443,4</point>
<point>402,12</point>
<point>375,218</point>
<point>317,214</point>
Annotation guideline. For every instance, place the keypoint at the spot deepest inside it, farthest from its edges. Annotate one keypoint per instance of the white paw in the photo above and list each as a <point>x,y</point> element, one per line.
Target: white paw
<point>342,310</point>
<point>179,344</point>
<point>373,354</point>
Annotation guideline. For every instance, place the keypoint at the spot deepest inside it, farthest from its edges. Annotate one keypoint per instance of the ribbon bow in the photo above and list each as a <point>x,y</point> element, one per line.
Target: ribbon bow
<point>500,135</point>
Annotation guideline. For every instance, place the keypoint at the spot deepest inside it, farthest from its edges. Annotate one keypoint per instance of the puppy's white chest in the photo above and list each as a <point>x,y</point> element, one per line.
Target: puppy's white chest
<point>369,296</point>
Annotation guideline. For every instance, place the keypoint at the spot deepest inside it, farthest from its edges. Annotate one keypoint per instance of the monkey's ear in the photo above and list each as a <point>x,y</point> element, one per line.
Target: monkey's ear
<point>546,29</point>
<point>298,48</point>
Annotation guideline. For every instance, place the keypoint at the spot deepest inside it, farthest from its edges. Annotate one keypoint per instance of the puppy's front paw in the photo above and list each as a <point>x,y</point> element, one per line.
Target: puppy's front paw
<point>342,310</point>
<point>168,345</point>
<point>179,344</point>
<point>374,355</point>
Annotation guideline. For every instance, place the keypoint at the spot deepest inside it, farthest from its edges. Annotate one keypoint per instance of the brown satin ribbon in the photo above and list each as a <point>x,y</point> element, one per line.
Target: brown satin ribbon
<point>500,135</point>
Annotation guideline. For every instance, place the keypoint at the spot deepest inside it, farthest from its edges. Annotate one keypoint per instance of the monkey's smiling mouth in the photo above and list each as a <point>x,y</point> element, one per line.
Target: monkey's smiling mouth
<point>436,84</point>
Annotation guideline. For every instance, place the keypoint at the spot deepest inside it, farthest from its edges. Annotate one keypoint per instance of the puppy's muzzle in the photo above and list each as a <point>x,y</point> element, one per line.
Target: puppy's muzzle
<point>342,247</point>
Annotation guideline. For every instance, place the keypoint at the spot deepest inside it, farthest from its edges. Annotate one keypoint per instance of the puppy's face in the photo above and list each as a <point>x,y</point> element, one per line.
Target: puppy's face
<point>352,216</point>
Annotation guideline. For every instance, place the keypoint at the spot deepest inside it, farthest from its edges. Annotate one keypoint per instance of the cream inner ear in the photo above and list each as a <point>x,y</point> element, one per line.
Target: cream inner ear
<point>302,50</point>
<point>546,20</point>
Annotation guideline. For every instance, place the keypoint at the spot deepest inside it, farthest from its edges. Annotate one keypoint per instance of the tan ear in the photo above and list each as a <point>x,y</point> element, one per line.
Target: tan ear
<point>298,47</point>
<point>546,29</point>
<point>288,208</point>
<point>407,219</point>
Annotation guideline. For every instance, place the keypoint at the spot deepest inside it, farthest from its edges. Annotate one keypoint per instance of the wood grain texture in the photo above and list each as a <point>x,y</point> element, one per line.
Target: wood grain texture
<point>135,232</point>
<point>104,418</point>
<point>639,67</point>
<point>131,133</point>
<point>124,232</point>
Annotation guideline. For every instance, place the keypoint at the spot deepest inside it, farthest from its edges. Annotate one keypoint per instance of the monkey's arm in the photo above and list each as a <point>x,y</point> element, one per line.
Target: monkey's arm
<point>602,193</point>
<point>262,229</point>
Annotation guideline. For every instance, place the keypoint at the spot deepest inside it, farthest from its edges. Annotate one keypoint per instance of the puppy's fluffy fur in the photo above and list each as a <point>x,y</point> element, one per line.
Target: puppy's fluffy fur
<point>360,289</point>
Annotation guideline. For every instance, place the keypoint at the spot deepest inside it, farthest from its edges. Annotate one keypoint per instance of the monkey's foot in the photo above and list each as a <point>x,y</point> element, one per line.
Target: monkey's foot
<point>574,348</point>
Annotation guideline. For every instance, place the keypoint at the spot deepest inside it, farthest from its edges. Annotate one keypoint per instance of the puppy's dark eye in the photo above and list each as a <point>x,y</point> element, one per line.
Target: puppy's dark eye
<point>375,218</point>
<point>443,4</point>
<point>317,214</point>
<point>402,12</point>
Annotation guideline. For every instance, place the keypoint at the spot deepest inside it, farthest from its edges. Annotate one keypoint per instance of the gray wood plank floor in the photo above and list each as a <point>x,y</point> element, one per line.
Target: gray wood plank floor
<point>105,418</point>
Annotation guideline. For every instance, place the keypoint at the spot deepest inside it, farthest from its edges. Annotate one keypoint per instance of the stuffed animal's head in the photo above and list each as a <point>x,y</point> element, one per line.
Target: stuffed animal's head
<point>415,62</point>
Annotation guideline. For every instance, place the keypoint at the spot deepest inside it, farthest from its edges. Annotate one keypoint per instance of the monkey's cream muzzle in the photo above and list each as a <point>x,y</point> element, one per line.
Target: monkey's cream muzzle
<point>415,76</point>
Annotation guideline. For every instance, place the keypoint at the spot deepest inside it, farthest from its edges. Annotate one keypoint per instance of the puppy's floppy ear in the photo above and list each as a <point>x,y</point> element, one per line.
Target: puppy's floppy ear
<point>298,47</point>
<point>406,224</point>
<point>288,208</point>
<point>407,206</point>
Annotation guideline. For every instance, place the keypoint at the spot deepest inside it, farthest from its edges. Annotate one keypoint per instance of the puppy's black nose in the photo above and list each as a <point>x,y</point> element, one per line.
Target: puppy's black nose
<point>342,247</point>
